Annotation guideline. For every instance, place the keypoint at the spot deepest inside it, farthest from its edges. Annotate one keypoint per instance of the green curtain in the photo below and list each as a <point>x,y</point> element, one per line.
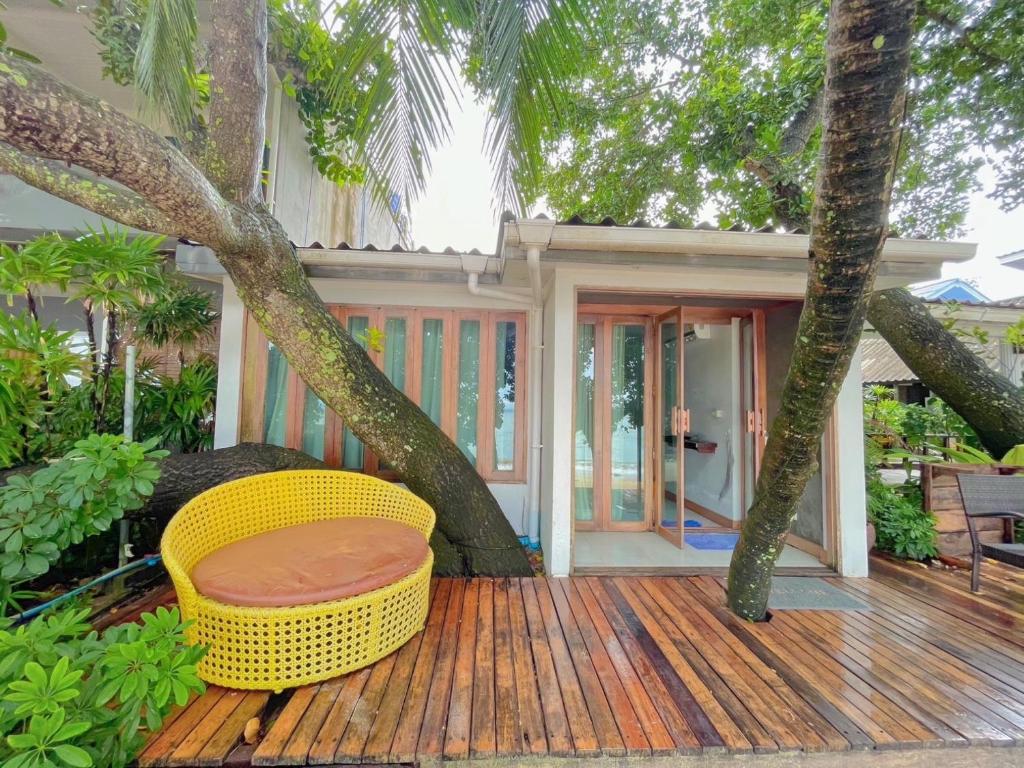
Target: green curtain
<point>505,402</point>
<point>275,399</point>
<point>469,388</point>
<point>432,379</point>
<point>394,351</point>
<point>583,477</point>
<point>314,420</point>
<point>352,450</point>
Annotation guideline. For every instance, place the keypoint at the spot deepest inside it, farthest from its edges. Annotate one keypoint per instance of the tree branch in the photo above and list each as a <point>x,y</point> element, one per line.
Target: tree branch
<point>802,126</point>
<point>66,182</point>
<point>42,116</point>
<point>238,98</point>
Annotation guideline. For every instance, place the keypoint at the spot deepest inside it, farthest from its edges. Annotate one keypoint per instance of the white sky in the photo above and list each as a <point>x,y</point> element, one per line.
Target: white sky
<point>458,210</point>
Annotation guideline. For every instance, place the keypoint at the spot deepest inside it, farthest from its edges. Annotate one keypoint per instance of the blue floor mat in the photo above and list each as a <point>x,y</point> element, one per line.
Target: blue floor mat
<point>686,524</point>
<point>723,541</point>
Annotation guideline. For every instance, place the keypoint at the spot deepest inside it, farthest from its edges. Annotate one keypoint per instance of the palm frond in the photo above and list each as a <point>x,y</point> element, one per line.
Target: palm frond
<point>524,57</point>
<point>404,50</point>
<point>165,60</point>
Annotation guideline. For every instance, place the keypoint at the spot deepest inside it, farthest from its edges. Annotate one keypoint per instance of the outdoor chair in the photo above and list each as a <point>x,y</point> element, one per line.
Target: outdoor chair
<point>294,577</point>
<point>987,497</point>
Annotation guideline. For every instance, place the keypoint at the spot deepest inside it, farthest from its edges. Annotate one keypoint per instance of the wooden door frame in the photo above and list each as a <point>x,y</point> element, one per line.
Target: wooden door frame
<point>604,324</point>
<point>673,536</point>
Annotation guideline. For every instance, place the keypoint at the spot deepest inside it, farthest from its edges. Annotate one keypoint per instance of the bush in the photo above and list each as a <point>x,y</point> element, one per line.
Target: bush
<point>44,513</point>
<point>902,526</point>
<point>71,697</point>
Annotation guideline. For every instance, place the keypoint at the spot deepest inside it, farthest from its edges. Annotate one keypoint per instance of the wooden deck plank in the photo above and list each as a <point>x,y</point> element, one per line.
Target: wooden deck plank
<point>483,739</point>
<point>188,750</point>
<point>931,701</point>
<point>407,732</point>
<point>435,715</point>
<point>737,710</point>
<point>555,608</point>
<point>533,724</point>
<point>353,744</point>
<point>460,710</point>
<point>705,715</point>
<point>594,623</point>
<point>642,665</point>
<point>508,738</point>
<point>268,751</point>
<point>794,724</point>
<point>161,748</point>
<point>561,740</point>
<point>664,696</point>
<point>231,732</point>
<point>777,720</point>
<point>572,612</point>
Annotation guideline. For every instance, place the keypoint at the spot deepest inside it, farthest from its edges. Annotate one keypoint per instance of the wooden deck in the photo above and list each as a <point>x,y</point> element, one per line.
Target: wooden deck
<point>646,666</point>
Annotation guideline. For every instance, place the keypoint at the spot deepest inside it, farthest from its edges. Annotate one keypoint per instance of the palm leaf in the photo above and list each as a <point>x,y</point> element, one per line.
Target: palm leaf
<point>524,56</point>
<point>165,60</point>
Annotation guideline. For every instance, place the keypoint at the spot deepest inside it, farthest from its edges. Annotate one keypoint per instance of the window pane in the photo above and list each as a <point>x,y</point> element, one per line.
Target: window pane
<point>314,418</point>
<point>505,403</point>
<point>352,449</point>
<point>432,380</point>
<point>469,387</point>
<point>275,400</point>
<point>627,423</point>
<point>583,475</point>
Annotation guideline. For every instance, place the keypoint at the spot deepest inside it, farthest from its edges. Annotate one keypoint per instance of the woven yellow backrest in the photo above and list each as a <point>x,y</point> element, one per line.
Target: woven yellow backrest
<point>273,500</point>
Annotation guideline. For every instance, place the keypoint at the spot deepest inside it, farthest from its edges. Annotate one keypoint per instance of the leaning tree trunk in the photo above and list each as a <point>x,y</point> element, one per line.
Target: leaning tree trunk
<point>274,287</point>
<point>868,53</point>
<point>215,198</point>
<point>986,400</point>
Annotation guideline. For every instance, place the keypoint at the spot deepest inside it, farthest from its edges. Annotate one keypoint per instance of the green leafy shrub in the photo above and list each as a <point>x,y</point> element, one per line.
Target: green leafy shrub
<point>70,697</point>
<point>902,526</point>
<point>44,513</point>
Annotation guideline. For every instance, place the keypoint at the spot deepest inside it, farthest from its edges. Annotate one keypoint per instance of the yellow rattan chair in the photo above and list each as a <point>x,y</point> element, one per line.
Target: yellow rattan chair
<point>277,648</point>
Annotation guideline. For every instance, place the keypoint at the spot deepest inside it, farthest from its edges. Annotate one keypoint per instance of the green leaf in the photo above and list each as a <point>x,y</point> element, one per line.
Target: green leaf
<point>76,757</point>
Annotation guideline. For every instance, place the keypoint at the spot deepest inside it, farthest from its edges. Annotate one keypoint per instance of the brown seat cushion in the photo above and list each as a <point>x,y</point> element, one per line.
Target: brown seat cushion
<point>311,563</point>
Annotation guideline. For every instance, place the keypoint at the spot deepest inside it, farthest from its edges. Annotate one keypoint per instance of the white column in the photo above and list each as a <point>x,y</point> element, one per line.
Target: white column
<point>557,429</point>
<point>852,544</point>
<point>229,367</point>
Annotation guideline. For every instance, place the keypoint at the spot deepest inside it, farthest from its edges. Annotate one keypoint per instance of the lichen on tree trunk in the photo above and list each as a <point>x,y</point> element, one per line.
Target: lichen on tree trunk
<point>868,57</point>
<point>985,399</point>
<point>157,188</point>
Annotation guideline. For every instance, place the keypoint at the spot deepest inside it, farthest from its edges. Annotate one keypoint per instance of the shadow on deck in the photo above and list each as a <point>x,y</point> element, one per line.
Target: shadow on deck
<point>652,669</point>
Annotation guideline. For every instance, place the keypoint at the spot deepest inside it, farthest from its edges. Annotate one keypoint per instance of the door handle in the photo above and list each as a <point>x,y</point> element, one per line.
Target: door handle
<point>684,421</point>
<point>673,421</point>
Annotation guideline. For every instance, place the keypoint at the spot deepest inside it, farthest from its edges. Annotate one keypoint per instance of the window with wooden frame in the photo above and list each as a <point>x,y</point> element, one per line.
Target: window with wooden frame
<point>464,368</point>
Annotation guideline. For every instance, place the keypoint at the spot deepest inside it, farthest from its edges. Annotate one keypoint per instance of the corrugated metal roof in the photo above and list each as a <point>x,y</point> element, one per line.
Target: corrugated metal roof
<point>879,363</point>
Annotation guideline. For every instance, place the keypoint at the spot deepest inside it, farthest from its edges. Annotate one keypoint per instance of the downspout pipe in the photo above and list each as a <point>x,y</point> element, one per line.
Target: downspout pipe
<point>535,302</point>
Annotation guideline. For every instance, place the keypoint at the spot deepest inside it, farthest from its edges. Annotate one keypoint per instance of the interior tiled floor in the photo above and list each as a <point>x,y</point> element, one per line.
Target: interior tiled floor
<point>649,550</point>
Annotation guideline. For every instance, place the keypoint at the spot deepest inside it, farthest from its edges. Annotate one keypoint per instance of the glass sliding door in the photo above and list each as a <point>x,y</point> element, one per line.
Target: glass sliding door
<point>628,397</point>
<point>671,427</point>
<point>610,478</point>
<point>584,450</point>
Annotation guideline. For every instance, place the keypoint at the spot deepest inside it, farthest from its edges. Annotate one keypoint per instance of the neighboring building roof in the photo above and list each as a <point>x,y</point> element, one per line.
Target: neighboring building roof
<point>1013,259</point>
<point>951,289</point>
<point>879,363</point>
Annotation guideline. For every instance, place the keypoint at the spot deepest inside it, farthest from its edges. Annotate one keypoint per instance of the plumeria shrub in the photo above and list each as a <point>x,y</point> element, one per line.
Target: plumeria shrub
<point>71,697</point>
<point>82,494</point>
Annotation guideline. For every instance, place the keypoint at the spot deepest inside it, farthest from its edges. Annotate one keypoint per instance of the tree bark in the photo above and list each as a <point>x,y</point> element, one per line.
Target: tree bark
<point>868,61</point>
<point>224,211</point>
<point>272,284</point>
<point>986,400</point>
